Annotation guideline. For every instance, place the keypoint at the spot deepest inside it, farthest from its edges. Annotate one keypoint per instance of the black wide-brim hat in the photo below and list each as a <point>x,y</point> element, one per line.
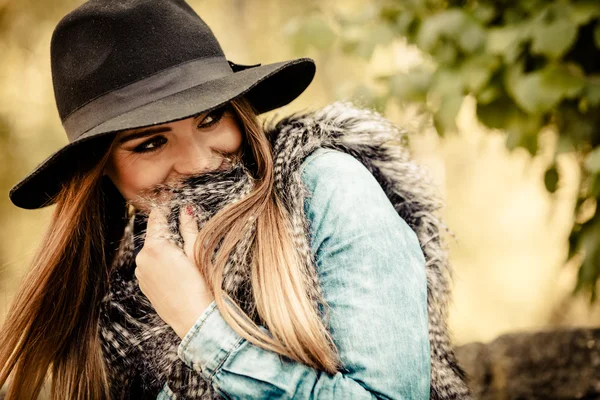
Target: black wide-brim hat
<point>126,64</point>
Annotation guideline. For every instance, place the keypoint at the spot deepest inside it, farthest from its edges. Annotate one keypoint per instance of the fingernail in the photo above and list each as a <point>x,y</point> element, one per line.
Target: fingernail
<point>189,210</point>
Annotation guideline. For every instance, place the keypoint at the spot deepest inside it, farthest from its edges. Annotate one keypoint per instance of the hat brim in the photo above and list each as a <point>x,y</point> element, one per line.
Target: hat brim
<point>266,87</point>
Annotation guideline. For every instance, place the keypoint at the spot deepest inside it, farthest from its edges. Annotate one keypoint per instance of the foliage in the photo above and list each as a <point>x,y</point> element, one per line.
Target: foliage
<point>528,63</point>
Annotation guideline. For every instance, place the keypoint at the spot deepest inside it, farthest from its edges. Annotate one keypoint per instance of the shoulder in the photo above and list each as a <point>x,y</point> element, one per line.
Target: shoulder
<point>345,199</point>
<point>326,160</point>
<point>335,167</point>
<point>339,184</point>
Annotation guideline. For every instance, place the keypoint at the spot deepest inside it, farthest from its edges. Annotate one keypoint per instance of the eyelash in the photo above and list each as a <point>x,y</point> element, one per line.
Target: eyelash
<point>217,117</point>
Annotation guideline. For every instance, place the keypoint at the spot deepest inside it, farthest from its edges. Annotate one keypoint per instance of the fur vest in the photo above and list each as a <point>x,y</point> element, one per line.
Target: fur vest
<point>136,341</point>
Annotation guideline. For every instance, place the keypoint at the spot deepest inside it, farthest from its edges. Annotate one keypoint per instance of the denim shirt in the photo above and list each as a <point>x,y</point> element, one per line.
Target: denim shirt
<point>372,273</point>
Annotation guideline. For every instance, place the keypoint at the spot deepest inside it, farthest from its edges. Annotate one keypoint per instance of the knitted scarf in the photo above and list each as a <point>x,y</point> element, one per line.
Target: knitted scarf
<point>141,350</point>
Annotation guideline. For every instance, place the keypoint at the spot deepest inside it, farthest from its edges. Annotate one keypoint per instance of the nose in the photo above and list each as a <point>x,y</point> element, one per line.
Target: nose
<point>195,158</point>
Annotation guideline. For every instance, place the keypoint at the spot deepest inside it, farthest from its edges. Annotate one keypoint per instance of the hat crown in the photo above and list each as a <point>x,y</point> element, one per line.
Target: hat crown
<point>104,45</point>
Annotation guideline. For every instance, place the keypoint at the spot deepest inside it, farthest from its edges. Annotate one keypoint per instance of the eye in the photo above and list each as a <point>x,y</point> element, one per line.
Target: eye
<point>213,117</point>
<point>151,145</point>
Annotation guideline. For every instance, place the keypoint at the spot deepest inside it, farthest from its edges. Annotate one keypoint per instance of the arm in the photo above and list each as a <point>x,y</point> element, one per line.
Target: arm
<point>371,269</point>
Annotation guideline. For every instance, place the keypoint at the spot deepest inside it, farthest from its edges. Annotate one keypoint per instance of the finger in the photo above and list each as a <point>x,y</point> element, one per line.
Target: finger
<point>189,231</point>
<point>157,228</point>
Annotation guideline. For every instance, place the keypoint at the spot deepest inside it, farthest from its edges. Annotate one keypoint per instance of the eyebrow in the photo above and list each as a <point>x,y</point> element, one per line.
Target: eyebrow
<point>137,134</point>
<point>141,132</point>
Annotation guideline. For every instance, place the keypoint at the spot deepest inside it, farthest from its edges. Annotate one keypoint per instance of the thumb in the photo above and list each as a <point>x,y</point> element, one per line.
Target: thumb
<point>157,229</point>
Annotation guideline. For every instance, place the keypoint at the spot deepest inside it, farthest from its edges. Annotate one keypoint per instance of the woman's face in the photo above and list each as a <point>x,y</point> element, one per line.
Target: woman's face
<point>162,154</point>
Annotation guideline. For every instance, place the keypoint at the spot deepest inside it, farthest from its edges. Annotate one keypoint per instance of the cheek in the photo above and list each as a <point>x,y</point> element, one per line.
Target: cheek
<point>133,175</point>
<point>230,141</point>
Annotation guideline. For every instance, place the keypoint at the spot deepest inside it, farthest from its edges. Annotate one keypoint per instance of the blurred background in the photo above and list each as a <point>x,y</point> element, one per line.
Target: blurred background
<point>500,100</point>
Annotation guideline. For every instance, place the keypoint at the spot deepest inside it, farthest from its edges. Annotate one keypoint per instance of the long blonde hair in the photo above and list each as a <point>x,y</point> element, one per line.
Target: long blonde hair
<point>52,325</point>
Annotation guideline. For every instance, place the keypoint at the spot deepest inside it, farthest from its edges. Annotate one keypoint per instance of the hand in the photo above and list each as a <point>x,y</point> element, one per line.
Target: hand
<point>168,276</point>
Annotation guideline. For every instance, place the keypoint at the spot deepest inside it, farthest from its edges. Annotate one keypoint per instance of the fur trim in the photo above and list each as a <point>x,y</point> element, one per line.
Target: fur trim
<point>378,144</point>
<point>362,133</point>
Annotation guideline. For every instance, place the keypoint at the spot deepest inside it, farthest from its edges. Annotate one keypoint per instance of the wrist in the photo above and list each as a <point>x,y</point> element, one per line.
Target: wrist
<point>188,319</point>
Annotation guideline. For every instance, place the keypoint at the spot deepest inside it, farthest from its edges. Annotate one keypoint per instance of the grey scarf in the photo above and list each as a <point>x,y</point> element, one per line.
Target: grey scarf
<point>141,350</point>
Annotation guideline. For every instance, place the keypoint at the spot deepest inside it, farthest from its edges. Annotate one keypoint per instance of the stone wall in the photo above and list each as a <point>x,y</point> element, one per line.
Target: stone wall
<point>561,364</point>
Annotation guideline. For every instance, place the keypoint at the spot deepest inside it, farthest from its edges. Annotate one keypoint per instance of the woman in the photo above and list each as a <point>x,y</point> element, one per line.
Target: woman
<point>194,253</point>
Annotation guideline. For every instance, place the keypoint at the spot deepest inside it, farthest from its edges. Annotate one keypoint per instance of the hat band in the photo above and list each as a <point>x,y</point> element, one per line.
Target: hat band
<point>144,91</point>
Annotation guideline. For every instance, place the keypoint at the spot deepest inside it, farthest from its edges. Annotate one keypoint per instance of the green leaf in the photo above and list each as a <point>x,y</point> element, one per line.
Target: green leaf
<point>494,114</point>
<point>291,31</point>
<point>592,161</point>
<point>514,15</point>
<point>447,82</point>
<point>597,36</point>
<point>310,31</point>
<point>502,113</point>
<point>506,41</point>
<point>589,271</point>
<point>445,117</point>
<point>403,22</point>
<point>583,12</point>
<point>553,39</point>
<point>530,5</point>
<point>595,186</point>
<point>574,124</point>
<point>592,90</point>
<point>551,179</point>
<point>513,139</point>
<point>445,53</point>
<point>538,92</point>
<point>566,78</point>
<point>488,94</point>
<point>390,12</point>
<point>483,13</point>
<point>471,38</point>
<point>529,142</point>
<point>573,242</point>
<point>564,145</point>
<point>412,86</point>
<point>587,277</point>
<point>449,32</point>
<point>362,41</point>
<point>521,128</point>
<point>382,34</point>
<point>367,13</point>
<point>350,37</point>
<point>318,32</point>
<point>591,233</point>
<point>447,23</point>
<point>477,71</point>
